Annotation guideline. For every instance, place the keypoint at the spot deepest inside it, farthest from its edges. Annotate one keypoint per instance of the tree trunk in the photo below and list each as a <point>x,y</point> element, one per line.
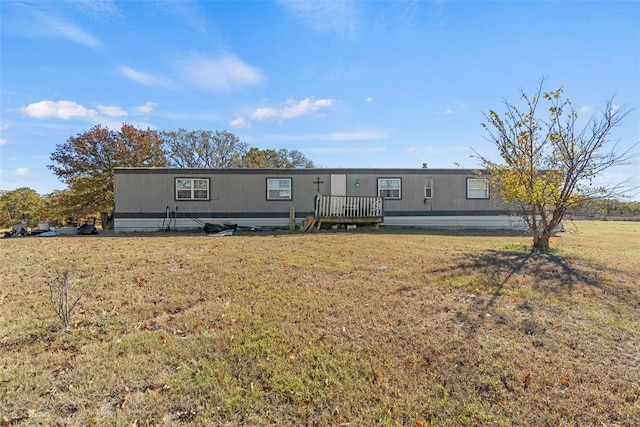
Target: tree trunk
<point>534,227</point>
<point>541,243</point>
<point>106,219</point>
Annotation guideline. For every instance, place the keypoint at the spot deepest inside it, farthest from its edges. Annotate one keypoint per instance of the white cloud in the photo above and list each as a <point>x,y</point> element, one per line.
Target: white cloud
<point>99,8</point>
<point>219,75</point>
<point>144,109</point>
<point>584,109</point>
<point>112,111</point>
<point>291,109</point>
<point>448,111</point>
<point>614,108</point>
<point>339,17</point>
<point>145,79</point>
<point>3,141</point>
<point>239,123</point>
<point>58,109</point>
<point>190,13</point>
<point>41,19</point>
<point>22,171</point>
<point>60,28</point>
<point>369,99</point>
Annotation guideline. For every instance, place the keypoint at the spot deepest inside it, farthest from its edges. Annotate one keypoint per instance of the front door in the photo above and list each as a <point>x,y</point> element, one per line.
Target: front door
<point>338,185</point>
<point>338,188</point>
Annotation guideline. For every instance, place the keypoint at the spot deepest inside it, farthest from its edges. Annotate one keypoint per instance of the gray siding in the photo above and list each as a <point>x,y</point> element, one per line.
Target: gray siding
<point>144,194</point>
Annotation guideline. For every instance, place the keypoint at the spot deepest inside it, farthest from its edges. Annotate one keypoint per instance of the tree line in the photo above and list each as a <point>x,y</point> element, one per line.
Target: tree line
<point>86,164</point>
<point>58,208</point>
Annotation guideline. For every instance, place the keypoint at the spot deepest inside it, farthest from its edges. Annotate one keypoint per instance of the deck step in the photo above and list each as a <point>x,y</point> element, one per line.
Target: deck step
<point>308,223</point>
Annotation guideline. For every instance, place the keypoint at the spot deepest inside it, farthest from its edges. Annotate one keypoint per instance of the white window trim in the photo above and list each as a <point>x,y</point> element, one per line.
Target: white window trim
<point>192,189</point>
<point>483,187</point>
<point>289,180</point>
<point>399,189</point>
<point>428,185</point>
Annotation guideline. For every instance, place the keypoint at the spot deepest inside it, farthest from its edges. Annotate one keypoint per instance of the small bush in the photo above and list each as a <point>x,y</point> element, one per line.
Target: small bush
<point>60,299</point>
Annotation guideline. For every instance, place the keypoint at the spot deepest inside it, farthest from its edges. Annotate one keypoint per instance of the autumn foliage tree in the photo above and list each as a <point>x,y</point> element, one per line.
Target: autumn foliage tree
<point>86,163</point>
<point>549,162</point>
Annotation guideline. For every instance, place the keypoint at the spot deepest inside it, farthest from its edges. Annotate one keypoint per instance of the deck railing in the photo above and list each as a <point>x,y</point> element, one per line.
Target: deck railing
<point>349,207</point>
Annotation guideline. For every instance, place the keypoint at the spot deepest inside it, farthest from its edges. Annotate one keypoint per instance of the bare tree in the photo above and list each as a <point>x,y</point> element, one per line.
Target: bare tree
<point>203,149</point>
<point>549,163</point>
<point>281,159</point>
<point>61,302</point>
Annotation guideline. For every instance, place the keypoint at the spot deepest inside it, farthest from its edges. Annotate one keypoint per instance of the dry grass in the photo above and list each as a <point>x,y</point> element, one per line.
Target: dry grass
<point>360,328</point>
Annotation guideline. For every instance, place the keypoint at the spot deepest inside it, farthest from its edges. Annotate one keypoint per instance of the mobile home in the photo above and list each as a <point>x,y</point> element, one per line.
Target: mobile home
<point>150,199</point>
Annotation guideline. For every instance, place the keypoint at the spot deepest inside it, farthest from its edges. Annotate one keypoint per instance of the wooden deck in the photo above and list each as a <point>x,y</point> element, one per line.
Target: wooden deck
<point>347,210</point>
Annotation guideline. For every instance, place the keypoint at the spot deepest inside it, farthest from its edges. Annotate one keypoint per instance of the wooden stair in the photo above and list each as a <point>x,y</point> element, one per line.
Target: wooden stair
<point>308,223</point>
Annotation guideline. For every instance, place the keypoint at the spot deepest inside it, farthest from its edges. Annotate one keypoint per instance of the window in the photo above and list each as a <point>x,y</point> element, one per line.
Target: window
<point>477,188</point>
<point>428,188</point>
<point>192,189</point>
<point>278,188</point>
<point>389,188</point>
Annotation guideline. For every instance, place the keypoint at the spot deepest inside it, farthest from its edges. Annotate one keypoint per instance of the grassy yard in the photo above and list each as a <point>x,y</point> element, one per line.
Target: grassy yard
<point>327,329</point>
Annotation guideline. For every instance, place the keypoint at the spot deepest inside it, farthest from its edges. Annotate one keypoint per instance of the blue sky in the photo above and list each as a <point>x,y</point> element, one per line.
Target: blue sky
<point>349,84</point>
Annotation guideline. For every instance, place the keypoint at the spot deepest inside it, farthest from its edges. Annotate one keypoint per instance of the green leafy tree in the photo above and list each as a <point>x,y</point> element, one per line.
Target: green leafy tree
<point>21,201</point>
<point>203,149</point>
<point>63,207</point>
<point>86,163</point>
<point>281,159</point>
<point>549,163</point>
